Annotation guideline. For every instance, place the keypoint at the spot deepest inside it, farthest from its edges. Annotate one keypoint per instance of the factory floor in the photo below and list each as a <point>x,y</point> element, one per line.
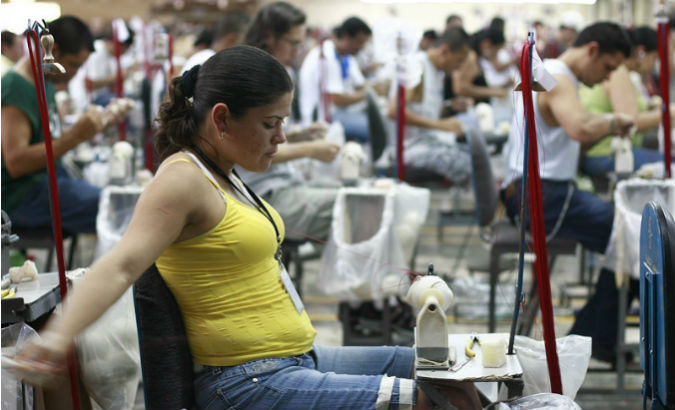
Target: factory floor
<point>453,252</point>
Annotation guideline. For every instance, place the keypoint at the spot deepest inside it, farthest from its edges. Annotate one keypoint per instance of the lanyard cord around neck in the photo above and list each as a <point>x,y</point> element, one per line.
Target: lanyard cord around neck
<point>260,206</point>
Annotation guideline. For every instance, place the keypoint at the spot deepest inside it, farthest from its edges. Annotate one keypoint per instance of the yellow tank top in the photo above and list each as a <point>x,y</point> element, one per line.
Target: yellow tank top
<point>227,284</point>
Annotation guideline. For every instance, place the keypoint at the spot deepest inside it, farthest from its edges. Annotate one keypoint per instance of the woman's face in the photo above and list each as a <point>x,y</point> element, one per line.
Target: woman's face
<point>257,134</point>
<point>285,48</point>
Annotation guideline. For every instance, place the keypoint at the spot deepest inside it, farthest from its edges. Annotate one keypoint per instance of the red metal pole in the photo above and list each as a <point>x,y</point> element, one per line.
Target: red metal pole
<point>537,227</point>
<point>38,78</point>
<point>119,81</point>
<point>664,83</point>
<point>171,69</point>
<point>323,79</point>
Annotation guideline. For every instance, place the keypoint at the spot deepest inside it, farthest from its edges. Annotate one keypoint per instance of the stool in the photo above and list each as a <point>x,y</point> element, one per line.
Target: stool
<point>42,238</point>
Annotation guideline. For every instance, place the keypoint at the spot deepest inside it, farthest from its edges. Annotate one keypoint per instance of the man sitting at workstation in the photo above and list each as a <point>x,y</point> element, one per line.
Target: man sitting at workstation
<point>430,141</point>
<point>25,185</point>
<point>331,68</point>
<point>563,129</point>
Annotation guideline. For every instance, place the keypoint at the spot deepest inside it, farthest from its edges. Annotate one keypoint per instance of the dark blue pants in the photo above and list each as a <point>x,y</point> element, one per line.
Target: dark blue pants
<point>78,201</point>
<point>603,165</point>
<point>588,219</point>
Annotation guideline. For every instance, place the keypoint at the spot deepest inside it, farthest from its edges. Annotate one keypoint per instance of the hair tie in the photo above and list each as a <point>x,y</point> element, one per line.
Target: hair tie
<point>189,80</point>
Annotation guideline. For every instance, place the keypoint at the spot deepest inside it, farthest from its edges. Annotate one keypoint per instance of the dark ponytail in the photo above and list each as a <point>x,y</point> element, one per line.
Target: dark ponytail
<point>241,77</point>
<point>177,125</point>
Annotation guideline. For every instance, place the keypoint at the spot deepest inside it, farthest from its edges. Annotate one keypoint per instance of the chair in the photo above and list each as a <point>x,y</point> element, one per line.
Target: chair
<point>290,255</point>
<point>43,238</point>
<point>657,315</point>
<point>166,361</point>
<point>502,237</point>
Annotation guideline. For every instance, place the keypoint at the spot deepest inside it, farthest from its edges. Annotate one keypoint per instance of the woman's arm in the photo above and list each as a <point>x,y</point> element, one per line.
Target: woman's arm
<point>163,211</point>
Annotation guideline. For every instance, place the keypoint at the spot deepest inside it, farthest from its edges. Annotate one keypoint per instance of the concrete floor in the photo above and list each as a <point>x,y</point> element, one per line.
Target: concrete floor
<point>459,248</point>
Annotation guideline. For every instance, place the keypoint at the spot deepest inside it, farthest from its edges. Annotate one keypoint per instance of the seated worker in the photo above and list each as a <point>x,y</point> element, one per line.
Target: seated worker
<point>339,75</point>
<point>562,127</point>
<point>430,141</point>
<point>101,67</point>
<point>307,210</point>
<point>571,23</point>
<point>428,38</point>
<point>11,50</point>
<point>216,245</point>
<point>624,93</point>
<point>468,79</point>
<point>227,31</point>
<point>25,184</point>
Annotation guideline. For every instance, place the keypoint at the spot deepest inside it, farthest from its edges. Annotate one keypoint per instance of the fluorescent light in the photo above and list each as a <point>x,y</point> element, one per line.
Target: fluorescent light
<point>482,1</point>
<point>14,16</point>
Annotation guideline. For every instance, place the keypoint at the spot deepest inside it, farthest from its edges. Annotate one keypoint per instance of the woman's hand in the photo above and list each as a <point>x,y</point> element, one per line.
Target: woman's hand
<point>42,361</point>
<point>323,150</point>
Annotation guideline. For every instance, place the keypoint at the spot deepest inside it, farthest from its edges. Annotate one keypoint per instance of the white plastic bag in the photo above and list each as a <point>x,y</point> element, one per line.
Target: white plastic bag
<point>325,172</point>
<point>354,264</point>
<point>115,209</point>
<point>630,197</point>
<point>15,395</point>
<point>574,353</point>
<point>540,401</point>
<point>373,235</point>
<point>109,356</point>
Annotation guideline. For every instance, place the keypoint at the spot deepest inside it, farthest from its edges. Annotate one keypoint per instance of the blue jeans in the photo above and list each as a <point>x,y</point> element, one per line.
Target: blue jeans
<point>327,377</point>
<point>355,124</point>
<point>588,219</point>
<point>78,201</point>
<point>593,166</point>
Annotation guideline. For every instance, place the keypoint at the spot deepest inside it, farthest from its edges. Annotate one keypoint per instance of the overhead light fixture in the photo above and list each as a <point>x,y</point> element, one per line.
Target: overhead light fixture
<point>14,16</point>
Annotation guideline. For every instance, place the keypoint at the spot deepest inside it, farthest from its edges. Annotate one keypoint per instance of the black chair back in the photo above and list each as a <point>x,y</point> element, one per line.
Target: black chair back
<point>377,127</point>
<point>166,361</point>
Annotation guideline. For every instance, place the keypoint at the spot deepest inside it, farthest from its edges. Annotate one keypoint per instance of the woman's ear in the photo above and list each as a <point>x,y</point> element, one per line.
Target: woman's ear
<point>221,117</point>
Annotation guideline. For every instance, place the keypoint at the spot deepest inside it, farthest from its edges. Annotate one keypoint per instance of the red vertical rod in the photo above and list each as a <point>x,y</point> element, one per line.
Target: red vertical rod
<point>537,228</point>
<point>119,81</point>
<point>323,84</point>
<point>171,69</point>
<point>38,78</point>
<point>400,128</point>
<point>148,41</point>
<point>664,82</point>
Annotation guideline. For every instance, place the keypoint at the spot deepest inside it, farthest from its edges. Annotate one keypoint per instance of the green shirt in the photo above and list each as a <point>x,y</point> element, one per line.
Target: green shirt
<point>596,101</point>
<point>20,93</point>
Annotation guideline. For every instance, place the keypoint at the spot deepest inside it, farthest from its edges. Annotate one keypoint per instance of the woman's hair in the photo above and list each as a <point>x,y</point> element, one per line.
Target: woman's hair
<point>277,19</point>
<point>241,77</point>
<point>644,36</point>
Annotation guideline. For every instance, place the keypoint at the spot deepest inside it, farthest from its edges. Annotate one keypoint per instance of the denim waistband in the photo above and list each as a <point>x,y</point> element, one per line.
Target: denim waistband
<point>255,367</point>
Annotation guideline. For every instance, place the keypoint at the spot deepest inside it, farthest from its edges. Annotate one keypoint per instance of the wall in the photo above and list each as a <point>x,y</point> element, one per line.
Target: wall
<point>433,15</point>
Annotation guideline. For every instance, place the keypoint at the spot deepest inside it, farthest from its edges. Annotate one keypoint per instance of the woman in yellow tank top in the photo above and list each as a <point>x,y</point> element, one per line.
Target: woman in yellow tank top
<point>216,244</point>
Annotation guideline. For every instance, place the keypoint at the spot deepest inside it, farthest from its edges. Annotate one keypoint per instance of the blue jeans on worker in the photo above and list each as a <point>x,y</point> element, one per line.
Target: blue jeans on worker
<point>588,218</point>
<point>78,201</point>
<point>327,377</point>
<point>593,166</point>
<point>355,124</point>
